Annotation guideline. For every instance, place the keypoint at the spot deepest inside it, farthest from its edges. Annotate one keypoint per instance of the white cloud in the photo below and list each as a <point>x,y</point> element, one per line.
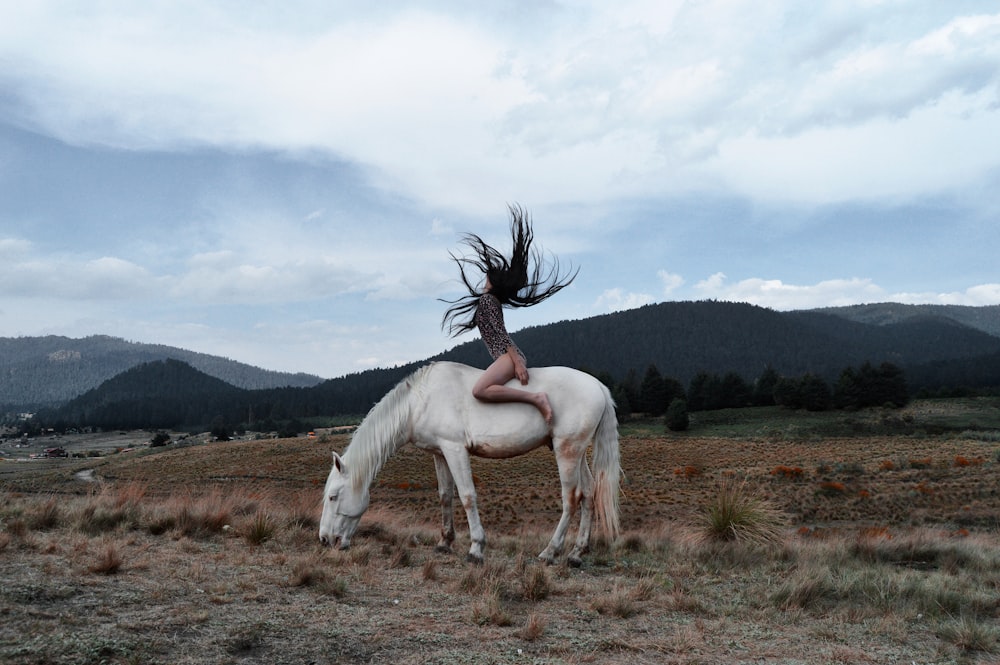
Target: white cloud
<point>71,279</point>
<point>975,296</point>
<point>441,228</point>
<point>670,282</point>
<point>470,108</point>
<point>776,294</point>
<point>615,300</point>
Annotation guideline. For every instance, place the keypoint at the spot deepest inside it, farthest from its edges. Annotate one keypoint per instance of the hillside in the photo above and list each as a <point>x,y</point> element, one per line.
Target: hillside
<point>685,338</point>
<point>681,339</point>
<point>985,319</point>
<point>36,371</point>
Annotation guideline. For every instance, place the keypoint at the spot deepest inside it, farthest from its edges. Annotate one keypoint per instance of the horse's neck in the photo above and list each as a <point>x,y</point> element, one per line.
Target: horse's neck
<point>384,431</point>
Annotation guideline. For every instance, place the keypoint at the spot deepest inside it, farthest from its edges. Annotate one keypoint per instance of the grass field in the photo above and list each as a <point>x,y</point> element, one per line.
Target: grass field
<point>887,551</point>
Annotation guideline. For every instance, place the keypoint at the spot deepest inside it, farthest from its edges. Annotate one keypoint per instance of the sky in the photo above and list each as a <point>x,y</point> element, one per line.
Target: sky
<point>281,183</point>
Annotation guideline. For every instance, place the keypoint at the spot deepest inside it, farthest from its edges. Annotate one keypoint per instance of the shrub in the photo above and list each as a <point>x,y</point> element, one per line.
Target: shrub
<point>534,628</point>
<point>109,560</point>
<point>536,582</point>
<point>737,514</point>
<point>46,516</point>
<point>677,416</point>
<point>791,472</point>
<point>259,529</point>
<point>619,603</point>
<point>832,487</point>
<point>970,635</point>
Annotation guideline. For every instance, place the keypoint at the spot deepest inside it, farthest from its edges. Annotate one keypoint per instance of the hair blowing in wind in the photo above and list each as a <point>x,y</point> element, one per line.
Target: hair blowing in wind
<point>522,280</point>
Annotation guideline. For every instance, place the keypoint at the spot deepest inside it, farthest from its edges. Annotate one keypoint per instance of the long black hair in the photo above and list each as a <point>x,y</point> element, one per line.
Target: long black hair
<point>522,280</point>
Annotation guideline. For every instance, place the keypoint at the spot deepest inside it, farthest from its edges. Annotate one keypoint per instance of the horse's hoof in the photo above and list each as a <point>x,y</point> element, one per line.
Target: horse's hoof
<point>574,561</point>
<point>476,559</point>
<point>443,549</point>
<point>547,559</point>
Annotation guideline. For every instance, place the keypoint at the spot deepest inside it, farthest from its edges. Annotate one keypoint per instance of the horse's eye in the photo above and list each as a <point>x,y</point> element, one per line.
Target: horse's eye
<point>333,497</point>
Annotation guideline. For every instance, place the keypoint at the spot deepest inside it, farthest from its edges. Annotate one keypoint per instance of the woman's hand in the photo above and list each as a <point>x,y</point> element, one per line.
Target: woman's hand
<point>520,370</point>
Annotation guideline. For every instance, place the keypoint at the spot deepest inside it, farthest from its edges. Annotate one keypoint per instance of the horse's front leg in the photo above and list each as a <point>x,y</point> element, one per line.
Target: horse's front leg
<point>446,492</point>
<point>461,473</point>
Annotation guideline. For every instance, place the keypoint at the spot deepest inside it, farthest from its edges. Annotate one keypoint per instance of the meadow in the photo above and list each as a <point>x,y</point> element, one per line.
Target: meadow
<point>757,536</point>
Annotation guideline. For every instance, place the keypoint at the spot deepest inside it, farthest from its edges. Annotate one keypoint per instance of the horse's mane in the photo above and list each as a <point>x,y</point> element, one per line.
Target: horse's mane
<point>382,432</point>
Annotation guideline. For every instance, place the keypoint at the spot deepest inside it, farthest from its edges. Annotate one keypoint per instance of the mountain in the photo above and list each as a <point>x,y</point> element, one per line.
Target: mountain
<point>37,371</point>
<point>986,319</point>
<point>682,339</point>
<point>685,338</point>
<point>158,394</point>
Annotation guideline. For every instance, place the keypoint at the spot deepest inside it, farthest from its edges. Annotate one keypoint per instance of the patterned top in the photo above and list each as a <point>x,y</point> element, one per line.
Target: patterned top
<point>489,319</point>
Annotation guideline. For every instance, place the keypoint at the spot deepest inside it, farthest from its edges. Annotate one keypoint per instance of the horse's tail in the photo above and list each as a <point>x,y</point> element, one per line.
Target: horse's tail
<point>607,468</point>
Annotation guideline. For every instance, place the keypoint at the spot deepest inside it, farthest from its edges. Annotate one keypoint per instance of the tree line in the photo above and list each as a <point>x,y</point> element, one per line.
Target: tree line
<point>656,395</point>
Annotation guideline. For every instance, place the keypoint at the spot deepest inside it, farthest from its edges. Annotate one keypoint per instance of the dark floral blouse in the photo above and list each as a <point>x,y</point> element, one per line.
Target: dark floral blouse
<point>489,319</point>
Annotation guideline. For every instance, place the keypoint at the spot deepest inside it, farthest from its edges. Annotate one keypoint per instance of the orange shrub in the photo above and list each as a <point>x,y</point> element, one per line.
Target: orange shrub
<point>887,465</point>
<point>961,460</point>
<point>922,463</point>
<point>787,471</point>
<point>690,471</point>
<point>832,487</point>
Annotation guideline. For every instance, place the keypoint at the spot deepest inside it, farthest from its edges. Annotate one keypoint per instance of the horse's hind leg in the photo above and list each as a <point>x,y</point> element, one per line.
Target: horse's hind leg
<point>568,458</point>
<point>446,492</point>
<point>582,545</point>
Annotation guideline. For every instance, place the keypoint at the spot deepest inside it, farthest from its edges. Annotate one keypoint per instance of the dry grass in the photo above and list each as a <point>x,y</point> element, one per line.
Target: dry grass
<point>200,592</point>
<point>167,565</point>
<point>738,513</point>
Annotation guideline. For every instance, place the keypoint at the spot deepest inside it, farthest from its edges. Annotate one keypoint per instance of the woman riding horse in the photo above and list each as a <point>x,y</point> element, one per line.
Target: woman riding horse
<point>520,281</point>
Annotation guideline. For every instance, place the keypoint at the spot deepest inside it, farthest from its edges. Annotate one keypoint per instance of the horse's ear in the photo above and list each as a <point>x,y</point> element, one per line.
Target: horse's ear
<point>338,462</point>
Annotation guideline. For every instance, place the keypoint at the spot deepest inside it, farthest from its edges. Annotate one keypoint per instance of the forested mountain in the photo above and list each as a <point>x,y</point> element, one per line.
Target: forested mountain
<point>681,339</point>
<point>35,371</point>
<point>160,394</point>
<point>684,338</point>
<point>986,319</point>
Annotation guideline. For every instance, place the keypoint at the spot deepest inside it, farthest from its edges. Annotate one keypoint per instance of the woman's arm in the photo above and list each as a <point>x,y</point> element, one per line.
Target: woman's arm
<point>520,369</point>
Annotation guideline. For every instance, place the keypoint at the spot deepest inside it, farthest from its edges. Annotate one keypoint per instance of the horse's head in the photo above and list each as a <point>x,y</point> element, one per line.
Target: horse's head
<point>343,506</point>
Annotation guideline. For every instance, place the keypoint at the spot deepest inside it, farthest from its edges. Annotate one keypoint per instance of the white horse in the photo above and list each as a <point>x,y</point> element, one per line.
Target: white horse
<point>434,410</point>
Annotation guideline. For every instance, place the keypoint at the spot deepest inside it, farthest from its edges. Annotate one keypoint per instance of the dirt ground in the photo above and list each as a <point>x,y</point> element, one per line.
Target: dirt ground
<point>657,596</point>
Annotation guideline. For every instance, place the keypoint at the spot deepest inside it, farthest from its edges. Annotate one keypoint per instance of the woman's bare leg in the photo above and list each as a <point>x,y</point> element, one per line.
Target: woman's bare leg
<point>490,388</point>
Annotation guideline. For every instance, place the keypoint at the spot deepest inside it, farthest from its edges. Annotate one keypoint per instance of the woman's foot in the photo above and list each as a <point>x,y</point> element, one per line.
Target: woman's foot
<point>542,402</point>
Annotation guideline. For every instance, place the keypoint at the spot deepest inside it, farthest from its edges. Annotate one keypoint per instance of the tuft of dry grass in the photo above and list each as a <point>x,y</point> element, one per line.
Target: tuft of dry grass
<point>313,572</point>
<point>536,582</point>
<point>971,634</point>
<point>489,609</point>
<point>260,528</point>
<point>738,514</point>
<point>619,602</point>
<point>46,515</point>
<point>109,559</point>
<point>534,627</point>
<point>429,572</point>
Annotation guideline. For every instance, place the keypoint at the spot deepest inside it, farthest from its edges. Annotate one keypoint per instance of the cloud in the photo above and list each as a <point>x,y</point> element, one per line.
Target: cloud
<point>975,296</point>
<point>603,103</point>
<point>67,278</point>
<point>775,294</point>
<point>670,282</point>
<point>615,300</point>
<point>441,228</point>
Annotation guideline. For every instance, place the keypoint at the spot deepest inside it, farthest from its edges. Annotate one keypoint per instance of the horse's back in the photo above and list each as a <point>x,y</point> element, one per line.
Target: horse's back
<point>577,398</point>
